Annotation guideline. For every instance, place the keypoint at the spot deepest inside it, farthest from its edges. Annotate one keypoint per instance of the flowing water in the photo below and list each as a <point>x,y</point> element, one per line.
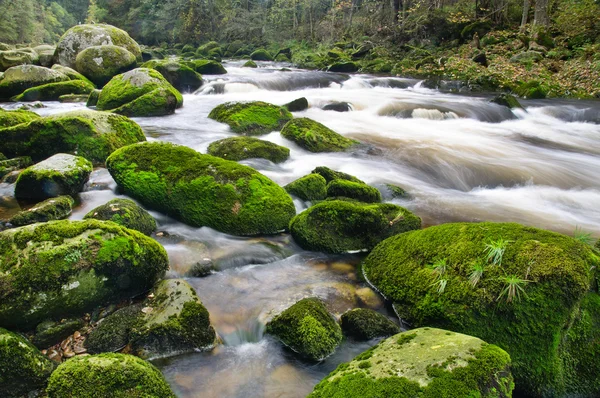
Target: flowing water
<point>459,157</point>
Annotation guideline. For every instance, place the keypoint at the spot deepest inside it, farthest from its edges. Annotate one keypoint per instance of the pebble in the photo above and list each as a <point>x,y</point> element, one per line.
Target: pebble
<point>77,334</point>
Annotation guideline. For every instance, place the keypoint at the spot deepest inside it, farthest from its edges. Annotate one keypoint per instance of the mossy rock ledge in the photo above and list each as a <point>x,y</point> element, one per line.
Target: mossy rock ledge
<point>140,92</point>
<point>60,268</point>
<point>108,376</point>
<point>20,78</point>
<point>126,213</point>
<point>423,363</point>
<point>13,118</point>
<point>548,324</point>
<point>251,118</point>
<point>240,148</point>
<point>336,226</point>
<point>50,209</point>
<point>23,368</point>
<point>92,135</point>
<point>181,75</point>
<point>60,174</point>
<point>307,328</point>
<point>366,324</point>
<point>201,190</point>
<point>315,137</point>
<point>101,63</point>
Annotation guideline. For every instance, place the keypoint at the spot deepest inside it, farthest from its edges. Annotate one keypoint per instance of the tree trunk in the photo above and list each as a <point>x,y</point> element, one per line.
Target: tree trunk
<point>526,7</point>
<point>540,16</point>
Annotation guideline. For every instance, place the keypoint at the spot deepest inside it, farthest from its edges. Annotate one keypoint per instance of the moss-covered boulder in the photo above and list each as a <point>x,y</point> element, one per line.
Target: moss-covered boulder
<point>240,148</point>
<point>9,165</point>
<point>343,67</point>
<point>45,53</point>
<point>308,329</point>
<point>49,333</point>
<point>73,98</point>
<point>92,135</point>
<point>331,175</point>
<point>51,209</point>
<point>297,105</point>
<point>527,57</point>
<point>180,75</point>
<point>11,58</point>
<point>261,55</point>
<point>201,190</point>
<point>114,332</point>
<point>70,73</point>
<point>108,376</point>
<point>366,324</point>
<point>507,100</point>
<point>251,118</point>
<point>249,64</point>
<point>80,37</point>
<point>530,291</point>
<point>13,118</point>
<point>19,78</point>
<point>101,63</point>
<point>23,368</point>
<point>92,99</point>
<point>206,48</point>
<point>60,268</point>
<point>338,226</point>
<point>176,323</point>
<point>311,187</point>
<point>126,213</point>
<point>140,92</point>
<point>315,137</point>
<point>341,188</point>
<point>60,174</point>
<point>207,67</point>
<point>53,91</point>
<point>426,363</point>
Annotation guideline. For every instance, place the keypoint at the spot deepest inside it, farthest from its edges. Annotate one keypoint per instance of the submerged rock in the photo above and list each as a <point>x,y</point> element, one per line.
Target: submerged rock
<point>19,78</point>
<point>60,174</point>
<point>423,362</point>
<point>311,187</point>
<point>126,213</point>
<point>308,329</point>
<point>107,375</point>
<point>201,190</point>
<point>338,107</point>
<point>23,368</point>
<point>179,74</point>
<point>140,92</point>
<point>53,91</point>
<point>338,226</point>
<point>366,324</point>
<point>528,290</point>
<point>315,137</point>
<point>61,268</point>
<point>240,148</point>
<point>51,209</point>
<point>251,118</point>
<point>101,63</point>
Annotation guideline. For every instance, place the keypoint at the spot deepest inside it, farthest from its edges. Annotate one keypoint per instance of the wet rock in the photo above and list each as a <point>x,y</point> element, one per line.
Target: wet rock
<point>19,78</point>
<point>261,55</point>
<point>126,213</point>
<point>11,165</point>
<point>297,105</point>
<point>73,98</point>
<point>315,137</point>
<point>92,99</point>
<point>250,64</point>
<point>510,101</point>
<point>423,362</point>
<point>107,375</point>
<point>251,118</point>
<point>395,192</point>
<point>49,333</point>
<point>179,74</point>
<point>101,63</point>
<point>207,67</point>
<point>61,174</point>
<point>308,329</point>
<point>338,107</point>
<point>331,175</point>
<point>240,148</point>
<point>343,67</point>
<point>113,333</point>
<point>53,91</point>
<point>366,324</point>
<point>51,209</point>
<point>369,297</point>
<point>312,187</point>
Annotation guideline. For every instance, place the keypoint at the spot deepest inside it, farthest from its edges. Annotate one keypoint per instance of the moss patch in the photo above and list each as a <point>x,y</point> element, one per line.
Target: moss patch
<point>353,190</point>
<point>251,118</point>
<point>207,67</point>
<point>365,324</point>
<point>311,187</point>
<point>101,63</point>
<point>315,137</point>
<point>13,118</point>
<point>48,210</point>
<point>114,332</point>
<point>19,78</point>
<point>240,148</point>
<point>52,91</point>
<point>126,213</point>
<point>181,76</point>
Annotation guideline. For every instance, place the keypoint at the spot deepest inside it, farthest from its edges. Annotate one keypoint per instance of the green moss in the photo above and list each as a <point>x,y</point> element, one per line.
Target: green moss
<point>126,213</point>
<point>108,375</point>
<point>307,328</point>
<point>19,78</point>
<point>315,137</point>
<point>250,64</point>
<point>251,118</point>
<point>532,90</point>
<point>365,324</point>
<point>101,63</point>
<point>114,332</point>
<point>282,58</point>
<point>311,187</point>
<point>331,175</point>
<point>70,73</point>
<point>507,100</point>
<point>52,91</point>
<point>205,49</point>
<point>49,333</point>
<point>13,118</point>
<point>261,55</point>
<point>339,226</point>
<point>140,92</point>
<point>10,165</point>
<point>11,58</point>
<point>353,190</point>
<point>48,210</point>
<point>61,268</point>
<point>201,190</point>
<point>207,67</point>
<point>181,76</point>
<point>22,367</point>
<point>240,148</point>
<point>297,105</point>
<point>93,98</point>
<point>92,135</point>
<point>396,192</point>
<point>533,329</point>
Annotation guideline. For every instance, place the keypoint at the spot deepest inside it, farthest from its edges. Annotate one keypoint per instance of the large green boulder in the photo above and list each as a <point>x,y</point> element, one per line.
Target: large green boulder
<point>71,73</point>
<point>251,118</point>
<point>366,324</point>
<point>311,187</point>
<point>315,137</point>
<point>126,213</point>
<point>108,376</point>
<point>60,174</point>
<point>23,368</point>
<point>92,135</point>
<point>531,292</point>
<point>140,92</point>
<point>179,74</point>
<point>48,210</point>
<point>13,118</point>
<point>19,78</point>
<point>11,58</point>
<point>207,67</point>
<point>80,37</point>
<point>308,329</point>
<point>240,148</point>
<point>176,323</point>
<point>261,55</point>
<point>201,190</point>
<point>101,63</point>
<point>423,363</point>
<point>52,91</point>
<point>59,268</point>
<point>341,188</point>
<point>337,226</point>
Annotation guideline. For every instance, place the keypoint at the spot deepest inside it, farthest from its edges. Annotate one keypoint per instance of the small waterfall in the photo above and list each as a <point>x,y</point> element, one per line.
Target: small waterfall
<point>252,331</point>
